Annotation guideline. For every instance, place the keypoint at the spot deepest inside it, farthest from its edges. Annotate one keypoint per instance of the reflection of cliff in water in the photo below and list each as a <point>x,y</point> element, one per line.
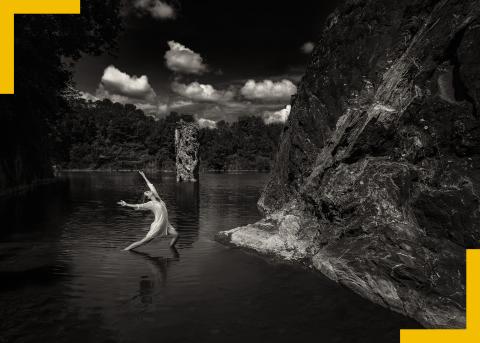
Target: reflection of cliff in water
<point>187,213</point>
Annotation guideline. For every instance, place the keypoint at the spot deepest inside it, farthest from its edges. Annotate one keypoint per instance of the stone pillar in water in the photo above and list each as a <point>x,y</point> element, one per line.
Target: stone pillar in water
<point>186,148</point>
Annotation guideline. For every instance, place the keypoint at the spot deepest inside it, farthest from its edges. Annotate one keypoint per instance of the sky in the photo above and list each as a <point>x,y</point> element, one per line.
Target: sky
<point>215,59</point>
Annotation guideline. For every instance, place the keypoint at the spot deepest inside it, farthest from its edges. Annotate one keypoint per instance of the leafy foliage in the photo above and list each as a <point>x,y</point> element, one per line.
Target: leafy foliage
<point>109,135</point>
<point>45,48</point>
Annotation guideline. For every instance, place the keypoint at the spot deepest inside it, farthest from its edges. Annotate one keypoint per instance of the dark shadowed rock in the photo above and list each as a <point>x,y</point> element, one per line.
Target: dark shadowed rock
<point>377,178</point>
<point>186,147</point>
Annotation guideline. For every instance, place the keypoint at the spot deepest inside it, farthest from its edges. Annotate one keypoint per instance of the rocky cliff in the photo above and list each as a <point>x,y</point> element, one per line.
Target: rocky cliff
<point>377,179</point>
<point>186,148</point>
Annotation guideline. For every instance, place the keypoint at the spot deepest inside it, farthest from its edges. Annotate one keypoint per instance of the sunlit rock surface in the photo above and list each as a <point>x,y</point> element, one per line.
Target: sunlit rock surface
<point>186,147</point>
<point>377,178</point>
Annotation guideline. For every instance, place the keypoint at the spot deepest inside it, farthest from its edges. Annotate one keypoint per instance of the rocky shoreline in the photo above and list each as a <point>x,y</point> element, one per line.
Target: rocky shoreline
<point>277,237</point>
<point>377,178</point>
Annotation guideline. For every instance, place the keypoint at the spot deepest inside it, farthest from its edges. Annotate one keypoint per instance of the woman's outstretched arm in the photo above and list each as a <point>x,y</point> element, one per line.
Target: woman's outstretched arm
<point>149,184</point>
<point>145,206</point>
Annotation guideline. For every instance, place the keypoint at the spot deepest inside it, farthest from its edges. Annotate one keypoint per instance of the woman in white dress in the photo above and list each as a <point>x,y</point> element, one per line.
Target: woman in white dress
<point>161,225</point>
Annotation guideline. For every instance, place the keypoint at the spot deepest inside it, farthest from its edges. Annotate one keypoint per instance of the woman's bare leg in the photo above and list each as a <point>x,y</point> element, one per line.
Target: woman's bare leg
<point>138,244</point>
<point>174,233</point>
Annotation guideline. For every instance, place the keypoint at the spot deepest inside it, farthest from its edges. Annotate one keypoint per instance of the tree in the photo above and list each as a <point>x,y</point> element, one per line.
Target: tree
<point>46,47</point>
<point>113,136</point>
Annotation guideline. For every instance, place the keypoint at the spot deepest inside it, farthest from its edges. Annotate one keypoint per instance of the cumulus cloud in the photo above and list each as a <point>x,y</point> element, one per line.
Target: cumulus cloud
<point>119,87</point>
<point>116,82</point>
<point>177,104</point>
<point>156,8</point>
<point>207,123</point>
<point>229,111</point>
<point>151,108</point>
<point>184,60</point>
<point>88,97</point>
<point>307,48</point>
<point>163,109</point>
<point>174,106</point>
<point>280,116</point>
<point>268,90</point>
<point>103,93</point>
<point>201,92</point>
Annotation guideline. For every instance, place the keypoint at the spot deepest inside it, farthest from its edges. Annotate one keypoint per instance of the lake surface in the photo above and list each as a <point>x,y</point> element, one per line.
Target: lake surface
<point>64,277</point>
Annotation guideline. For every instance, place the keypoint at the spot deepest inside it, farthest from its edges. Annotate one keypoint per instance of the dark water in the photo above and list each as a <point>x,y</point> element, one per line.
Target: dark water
<point>64,277</point>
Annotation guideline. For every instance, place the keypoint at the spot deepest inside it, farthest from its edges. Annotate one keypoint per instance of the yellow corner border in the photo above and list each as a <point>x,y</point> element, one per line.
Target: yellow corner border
<point>8,9</point>
<point>472,332</point>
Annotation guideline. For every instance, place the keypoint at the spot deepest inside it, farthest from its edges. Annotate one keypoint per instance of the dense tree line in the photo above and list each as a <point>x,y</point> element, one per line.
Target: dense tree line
<point>106,135</point>
<point>46,46</point>
<point>247,144</point>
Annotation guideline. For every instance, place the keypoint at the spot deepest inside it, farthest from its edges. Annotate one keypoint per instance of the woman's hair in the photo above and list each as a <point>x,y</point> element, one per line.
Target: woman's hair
<point>144,197</point>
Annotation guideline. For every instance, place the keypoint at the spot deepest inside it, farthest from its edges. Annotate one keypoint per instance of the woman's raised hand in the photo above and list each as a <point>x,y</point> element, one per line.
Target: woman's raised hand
<point>144,177</point>
<point>122,203</point>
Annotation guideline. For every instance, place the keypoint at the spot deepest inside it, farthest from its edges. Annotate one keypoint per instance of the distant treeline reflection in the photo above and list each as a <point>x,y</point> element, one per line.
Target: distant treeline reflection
<point>106,135</point>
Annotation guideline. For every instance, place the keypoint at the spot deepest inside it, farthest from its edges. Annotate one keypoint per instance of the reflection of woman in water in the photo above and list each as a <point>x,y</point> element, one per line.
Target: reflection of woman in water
<point>159,269</point>
<point>159,265</point>
<point>160,226</point>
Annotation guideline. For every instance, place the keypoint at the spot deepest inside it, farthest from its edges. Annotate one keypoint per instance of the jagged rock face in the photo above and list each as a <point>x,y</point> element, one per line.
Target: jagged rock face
<point>186,147</point>
<point>377,180</point>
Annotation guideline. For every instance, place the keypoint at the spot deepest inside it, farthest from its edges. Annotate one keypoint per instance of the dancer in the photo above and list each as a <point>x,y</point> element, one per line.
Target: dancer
<point>161,225</point>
